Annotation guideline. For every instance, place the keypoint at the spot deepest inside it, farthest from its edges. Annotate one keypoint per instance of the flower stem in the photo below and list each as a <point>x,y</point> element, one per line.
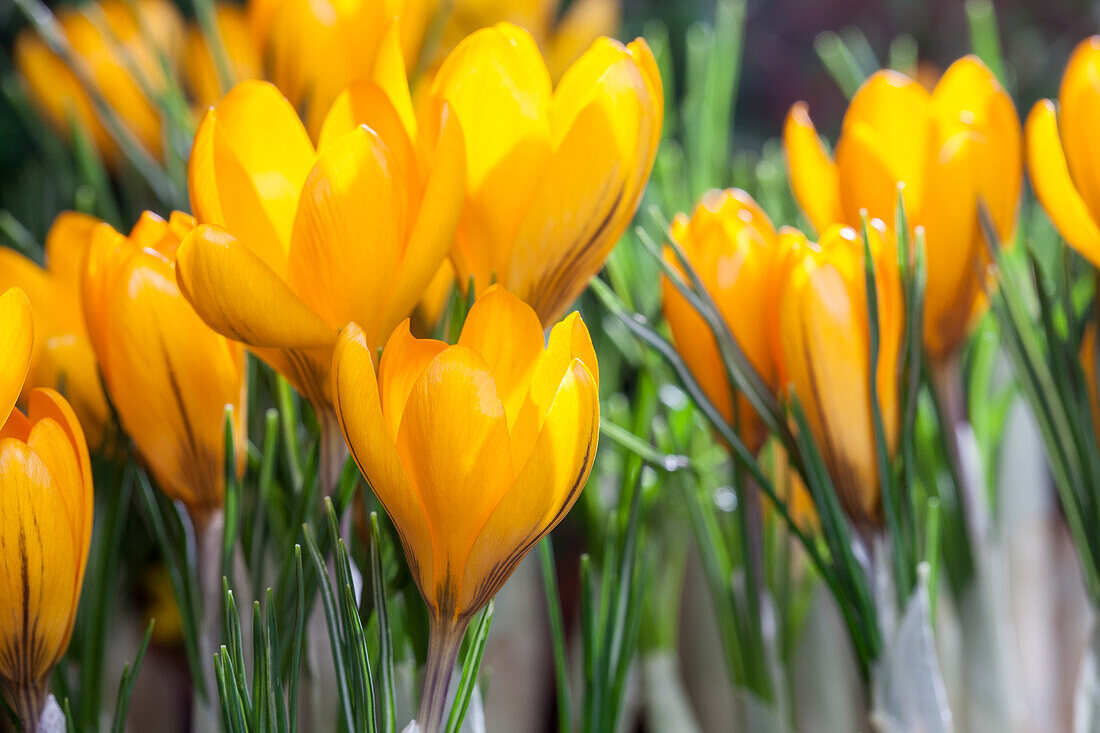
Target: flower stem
<point>444,642</point>
<point>209,529</point>
<point>334,451</point>
<point>964,511</point>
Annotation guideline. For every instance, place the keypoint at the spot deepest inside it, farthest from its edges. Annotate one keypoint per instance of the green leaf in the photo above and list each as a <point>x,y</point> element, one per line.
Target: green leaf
<point>470,666</point>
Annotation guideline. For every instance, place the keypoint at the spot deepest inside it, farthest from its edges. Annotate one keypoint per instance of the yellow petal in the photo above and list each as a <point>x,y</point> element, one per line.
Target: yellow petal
<point>52,443</point>
<point>1053,186</point>
<point>568,340</point>
<point>254,154</point>
<point>241,298</point>
<point>696,345</point>
<point>403,361</point>
<point>506,333</point>
<point>366,103</point>
<point>38,579</point>
<point>954,246</point>
<point>593,182</point>
<point>828,366</point>
<point>349,234</point>
<point>49,405</point>
<point>436,220</point>
<point>497,84</point>
<point>318,47</point>
<point>359,409</point>
<point>544,491</point>
<point>814,177</point>
<point>968,98</point>
<point>884,140</point>
<point>454,444</point>
<point>169,377</point>
<point>1079,110</point>
<point>67,245</point>
<point>16,342</point>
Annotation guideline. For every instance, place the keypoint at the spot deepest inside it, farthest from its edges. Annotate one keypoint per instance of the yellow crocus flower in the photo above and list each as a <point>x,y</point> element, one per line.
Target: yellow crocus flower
<point>46,509</point>
<point>1064,168</point>
<point>121,51</point>
<point>822,339</point>
<point>62,358</point>
<point>554,175</point>
<point>952,149</point>
<point>476,450</point>
<point>730,242</point>
<point>302,242</point>
<point>169,376</point>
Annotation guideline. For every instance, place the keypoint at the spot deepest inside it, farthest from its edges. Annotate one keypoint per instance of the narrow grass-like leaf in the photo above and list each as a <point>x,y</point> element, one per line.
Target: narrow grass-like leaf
<point>470,667</point>
<point>388,703</point>
<point>126,684</point>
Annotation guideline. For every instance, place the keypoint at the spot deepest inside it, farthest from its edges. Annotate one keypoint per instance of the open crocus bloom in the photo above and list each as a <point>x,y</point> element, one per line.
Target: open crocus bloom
<point>476,450</point>
<point>952,149</point>
<point>303,242</point>
<point>1061,152</point>
<point>554,175</point>
<point>169,376</point>
<point>823,352</point>
<point>62,358</point>
<point>45,519</point>
<point>730,242</point>
<point>120,45</point>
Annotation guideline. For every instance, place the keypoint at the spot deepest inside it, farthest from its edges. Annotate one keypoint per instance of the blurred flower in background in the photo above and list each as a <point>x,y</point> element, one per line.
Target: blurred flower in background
<point>824,352</point>
<point>1061,152</point>
<point>62,358</point>
<point>731,243</point>
<point>950,149</point>
<point>123,52</point>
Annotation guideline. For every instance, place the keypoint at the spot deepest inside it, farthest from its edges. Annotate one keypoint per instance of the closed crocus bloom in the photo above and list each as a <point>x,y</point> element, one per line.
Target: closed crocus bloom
<point>730,242</point>
<point>824,341</point>
<point>317,48</point>
<point>302,243</point>
<point>476,450</point>
<point>120,45</point>
<point>45,521</point>
<point>62,358</point>
<point>1062,161</point>
<point>169,376</point>
<point>242,52</point>
<point>554,175</point>
<point>952,149</point>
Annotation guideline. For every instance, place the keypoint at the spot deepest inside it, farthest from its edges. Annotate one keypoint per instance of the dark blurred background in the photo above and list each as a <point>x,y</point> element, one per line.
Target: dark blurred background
<point>781,65</point>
